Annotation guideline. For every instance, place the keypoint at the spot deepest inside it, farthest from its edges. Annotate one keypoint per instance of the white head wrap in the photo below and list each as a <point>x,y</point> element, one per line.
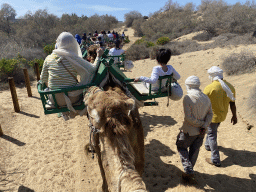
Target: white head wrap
<point>67,47</point>
<point>192,84</point>
<point>216,73</point>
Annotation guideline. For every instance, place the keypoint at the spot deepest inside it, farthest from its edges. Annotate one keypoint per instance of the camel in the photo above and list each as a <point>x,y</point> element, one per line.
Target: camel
<point>121,150</point>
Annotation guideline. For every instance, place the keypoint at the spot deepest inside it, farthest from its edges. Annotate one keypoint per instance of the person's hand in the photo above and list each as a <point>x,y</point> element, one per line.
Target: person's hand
<point>202,131</point>
<point>99,52</point>
<point>136,79</point>
<point>234,120</point>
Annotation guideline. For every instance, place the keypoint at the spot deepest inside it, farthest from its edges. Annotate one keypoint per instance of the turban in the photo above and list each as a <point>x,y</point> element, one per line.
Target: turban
<point>192,85</point>
<point>216,73</point>
<point>193,82</point>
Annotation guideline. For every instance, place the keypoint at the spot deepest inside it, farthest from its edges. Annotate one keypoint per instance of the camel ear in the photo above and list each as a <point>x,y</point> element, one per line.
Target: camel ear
<point>95,115</point>
<point>130,104</point>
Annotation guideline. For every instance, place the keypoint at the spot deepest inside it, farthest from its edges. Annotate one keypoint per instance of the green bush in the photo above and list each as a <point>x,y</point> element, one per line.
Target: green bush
<point>126,39</point>
<point>39,61</point>
<point>149,44</point>
<point>49,48</point>
<point>140,41</point>
<point>162,40</point>
<point>14,68</point>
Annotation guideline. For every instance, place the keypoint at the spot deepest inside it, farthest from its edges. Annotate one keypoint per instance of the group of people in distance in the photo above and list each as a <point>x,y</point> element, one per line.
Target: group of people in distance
<point>203,110</point>
<point>101,38</point>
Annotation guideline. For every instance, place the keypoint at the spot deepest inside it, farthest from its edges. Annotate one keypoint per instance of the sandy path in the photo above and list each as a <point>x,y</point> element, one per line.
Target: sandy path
<point>44,153</point>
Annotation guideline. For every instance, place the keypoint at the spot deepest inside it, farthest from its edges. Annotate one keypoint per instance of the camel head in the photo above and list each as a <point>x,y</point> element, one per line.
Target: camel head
<point>110,112</point>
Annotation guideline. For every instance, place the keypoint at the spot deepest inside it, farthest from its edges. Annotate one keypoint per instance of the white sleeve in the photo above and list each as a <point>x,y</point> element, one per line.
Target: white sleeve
<point>153,79</point>
<point>176,75</point>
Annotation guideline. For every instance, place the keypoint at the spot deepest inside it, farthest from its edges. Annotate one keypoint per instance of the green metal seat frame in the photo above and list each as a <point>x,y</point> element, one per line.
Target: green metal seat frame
<point>120,60</point>
<point>44,95</point>
<point>85,54</point>
<point>104,67</point>
<point>117,73</point>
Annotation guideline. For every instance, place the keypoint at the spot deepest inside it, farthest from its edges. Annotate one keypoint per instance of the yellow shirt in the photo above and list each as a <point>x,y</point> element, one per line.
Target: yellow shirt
<point>219,99</point>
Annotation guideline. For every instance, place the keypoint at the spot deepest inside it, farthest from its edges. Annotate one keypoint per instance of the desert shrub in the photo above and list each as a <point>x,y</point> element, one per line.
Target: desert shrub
<point>162,40</point>
<point>153,51</point>
<point>14,68</point>
<point>40,62</point>
<point>239,63</point>
<point>205,36</point>
<point>171,21</point>
<point>130,17</point>
<point>251,102</point>
<point>219,17</point>
<point>49,48</point>
<point>149,44</point>
<point>10,49</point>
<point>140,41</point>
<point>137,52</point>
<point>184,47</point>
<point>126,39</point>
<point>144,42</point>
<point>136,25</point>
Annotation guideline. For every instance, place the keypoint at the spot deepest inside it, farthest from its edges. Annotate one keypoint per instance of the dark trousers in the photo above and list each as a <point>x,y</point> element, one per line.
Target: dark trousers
<point>189,157</point>
<point>211,142</point>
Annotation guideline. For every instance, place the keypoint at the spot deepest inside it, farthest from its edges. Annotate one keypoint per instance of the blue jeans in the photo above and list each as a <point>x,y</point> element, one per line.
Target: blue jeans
<point>211,142</point>
<point>188,158</point>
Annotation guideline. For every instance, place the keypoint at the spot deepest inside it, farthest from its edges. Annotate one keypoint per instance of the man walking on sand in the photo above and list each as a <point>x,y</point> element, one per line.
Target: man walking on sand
<point>221,94</point>
<point>198,116</point>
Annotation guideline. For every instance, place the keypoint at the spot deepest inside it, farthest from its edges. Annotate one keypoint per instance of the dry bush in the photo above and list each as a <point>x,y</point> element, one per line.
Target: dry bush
<point>219,17</point>
<point>251,102</point>
<point>137,52</point>
<point>10,49</point>
<point>154,51</point>
<point>205,36</point>
<point>171,21</point>
<point>239,63</point>
<point>130,17</point>
<point>184,47</point>
<point>136,25</point>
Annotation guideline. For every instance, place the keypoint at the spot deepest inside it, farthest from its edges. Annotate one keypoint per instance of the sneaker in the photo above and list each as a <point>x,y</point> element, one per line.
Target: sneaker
<point>208,160</point>
<point>187,176</point>
<point>207,148</point>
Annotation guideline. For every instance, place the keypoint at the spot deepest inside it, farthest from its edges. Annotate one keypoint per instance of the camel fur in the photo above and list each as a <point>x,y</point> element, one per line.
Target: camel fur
<point>121,138</point>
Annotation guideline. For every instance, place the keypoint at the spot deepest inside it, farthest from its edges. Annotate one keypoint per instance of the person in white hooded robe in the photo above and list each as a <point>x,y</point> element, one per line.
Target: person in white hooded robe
<point>61,68</point>
<point>198,116</point>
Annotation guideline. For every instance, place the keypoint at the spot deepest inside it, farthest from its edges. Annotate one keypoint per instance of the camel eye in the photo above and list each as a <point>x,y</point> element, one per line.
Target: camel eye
<point>114,126</point>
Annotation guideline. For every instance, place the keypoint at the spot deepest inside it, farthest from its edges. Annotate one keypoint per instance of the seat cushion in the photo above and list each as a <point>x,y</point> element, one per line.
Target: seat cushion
<point>141,88</point>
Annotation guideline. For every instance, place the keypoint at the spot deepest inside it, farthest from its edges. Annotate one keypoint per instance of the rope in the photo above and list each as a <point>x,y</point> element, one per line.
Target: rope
<point>168,98</point>
<point>93,132</point>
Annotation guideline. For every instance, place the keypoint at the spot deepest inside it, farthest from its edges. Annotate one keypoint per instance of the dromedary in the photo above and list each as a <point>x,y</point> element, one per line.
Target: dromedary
<point>121,150</point>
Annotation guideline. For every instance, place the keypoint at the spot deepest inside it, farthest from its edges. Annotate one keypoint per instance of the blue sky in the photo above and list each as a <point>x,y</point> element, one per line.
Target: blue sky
<point>90,7</point>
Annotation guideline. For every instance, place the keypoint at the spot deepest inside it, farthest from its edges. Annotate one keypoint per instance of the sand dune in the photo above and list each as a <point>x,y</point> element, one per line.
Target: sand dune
<point>44,153</point>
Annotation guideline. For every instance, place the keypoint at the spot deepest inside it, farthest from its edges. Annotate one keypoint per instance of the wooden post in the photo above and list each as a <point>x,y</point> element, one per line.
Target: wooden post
<point>37,71</point>
<point>14,94</point>
<point>1,131</point>
<point>27,82</point>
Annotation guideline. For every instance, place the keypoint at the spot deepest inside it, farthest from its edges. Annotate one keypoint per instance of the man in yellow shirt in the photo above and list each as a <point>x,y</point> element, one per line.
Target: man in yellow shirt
<point>222,95</point>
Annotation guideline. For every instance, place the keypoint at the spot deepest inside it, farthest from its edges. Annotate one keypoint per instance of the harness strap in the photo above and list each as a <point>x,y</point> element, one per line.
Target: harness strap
<point>93,132</point>
<point>168,98</point>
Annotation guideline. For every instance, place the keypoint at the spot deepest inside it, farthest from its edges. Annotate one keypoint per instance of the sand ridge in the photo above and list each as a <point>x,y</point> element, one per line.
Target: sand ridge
<point>44,153</point>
